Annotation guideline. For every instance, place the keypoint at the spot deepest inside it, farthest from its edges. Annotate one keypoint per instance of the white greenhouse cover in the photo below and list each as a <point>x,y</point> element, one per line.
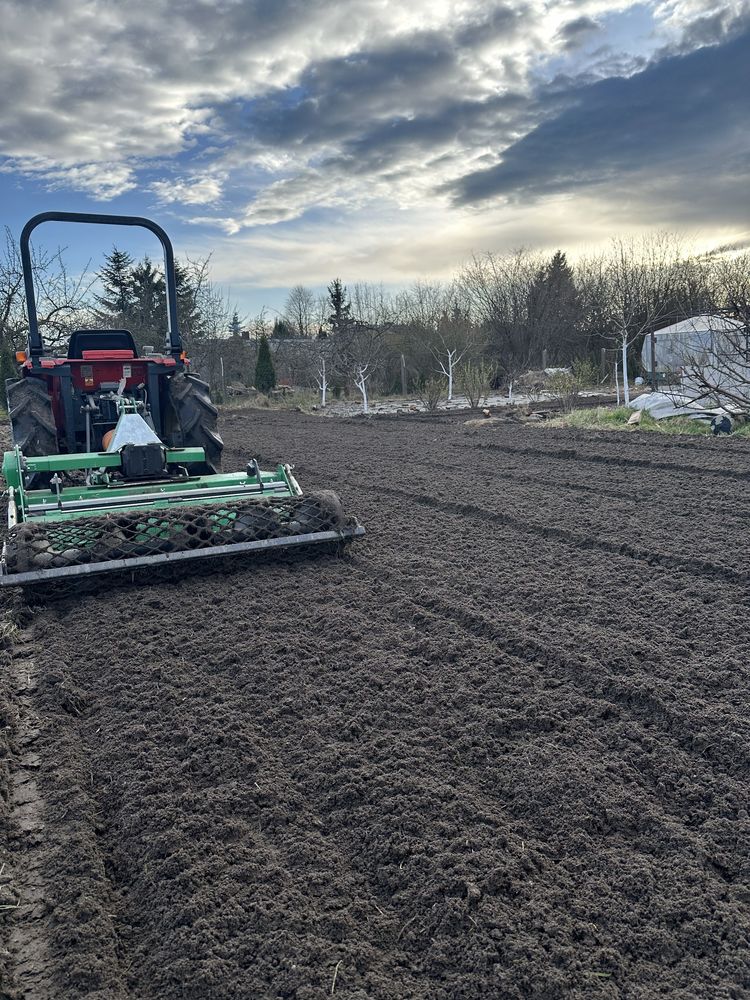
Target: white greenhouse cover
<point>689,341</point>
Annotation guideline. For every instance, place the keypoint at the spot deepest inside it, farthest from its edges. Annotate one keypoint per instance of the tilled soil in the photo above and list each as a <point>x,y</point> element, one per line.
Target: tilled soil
<point>500,748</point>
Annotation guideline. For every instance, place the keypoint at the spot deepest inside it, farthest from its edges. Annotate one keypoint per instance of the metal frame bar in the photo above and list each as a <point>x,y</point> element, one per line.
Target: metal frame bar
<point>36,346</point>
<point>103,504</point>
<point>40,576</point>
<point>103,459</point>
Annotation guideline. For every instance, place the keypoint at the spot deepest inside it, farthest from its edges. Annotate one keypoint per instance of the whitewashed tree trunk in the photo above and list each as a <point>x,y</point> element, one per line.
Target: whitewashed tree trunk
<point>322,381</point>
<point>361,383</point>
<point>617,382</point>
<point>447,367</point>
<point>625,386</point>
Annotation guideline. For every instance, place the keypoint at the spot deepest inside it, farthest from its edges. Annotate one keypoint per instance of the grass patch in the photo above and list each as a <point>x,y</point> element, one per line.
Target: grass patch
<point>603,418</point>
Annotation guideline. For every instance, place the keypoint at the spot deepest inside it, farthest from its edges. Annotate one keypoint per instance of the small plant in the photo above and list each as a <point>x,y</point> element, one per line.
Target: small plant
<point>586,373</point>
<point>565,386</point>
<point>431,392</point>
<point>475,380</point>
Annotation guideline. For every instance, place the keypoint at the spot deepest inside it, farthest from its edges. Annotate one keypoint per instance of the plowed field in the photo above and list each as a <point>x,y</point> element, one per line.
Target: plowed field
<point>500,748</point>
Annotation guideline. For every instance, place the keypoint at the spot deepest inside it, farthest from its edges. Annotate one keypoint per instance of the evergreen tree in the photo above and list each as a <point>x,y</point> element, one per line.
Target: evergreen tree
<point>281,329</point>
<point>117,282</point>
<point>265,375</point>
<point>341,317</point>
<point>235,328</point>
<point>188,312</point>
<point>149,323</point>
<point>554,310</point>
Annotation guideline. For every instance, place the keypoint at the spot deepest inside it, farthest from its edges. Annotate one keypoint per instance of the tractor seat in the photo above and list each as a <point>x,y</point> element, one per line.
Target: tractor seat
<point>88,342</point>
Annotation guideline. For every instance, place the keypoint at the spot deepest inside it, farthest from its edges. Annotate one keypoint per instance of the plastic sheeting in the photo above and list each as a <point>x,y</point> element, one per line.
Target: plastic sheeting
<point>673,404</point>
<point>689,342</point>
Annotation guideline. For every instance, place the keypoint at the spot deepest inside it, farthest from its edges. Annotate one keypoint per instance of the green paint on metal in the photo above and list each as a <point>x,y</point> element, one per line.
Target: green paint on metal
<point>109,495</point>
<point>105,460</point>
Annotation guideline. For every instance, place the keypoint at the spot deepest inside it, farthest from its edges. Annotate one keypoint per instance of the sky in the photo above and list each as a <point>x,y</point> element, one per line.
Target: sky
<point>374,140</point>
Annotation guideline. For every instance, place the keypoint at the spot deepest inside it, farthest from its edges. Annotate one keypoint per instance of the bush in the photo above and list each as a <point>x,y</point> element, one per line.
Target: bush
<point>432,392</point>
<point>475,381</point>
<point>586,373</point>
<point>565,386</point>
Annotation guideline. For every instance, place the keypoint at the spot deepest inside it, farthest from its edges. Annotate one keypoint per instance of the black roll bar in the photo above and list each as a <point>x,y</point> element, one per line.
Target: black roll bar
<point>36,347</point>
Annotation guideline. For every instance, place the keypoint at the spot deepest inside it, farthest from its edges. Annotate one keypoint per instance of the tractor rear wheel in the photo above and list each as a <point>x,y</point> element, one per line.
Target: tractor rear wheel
<point>192,421</point>
<point>31,420</point>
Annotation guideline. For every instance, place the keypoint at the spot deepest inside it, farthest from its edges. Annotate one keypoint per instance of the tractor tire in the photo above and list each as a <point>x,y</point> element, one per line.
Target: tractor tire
<point>31,421</point>
<point>192,421</point>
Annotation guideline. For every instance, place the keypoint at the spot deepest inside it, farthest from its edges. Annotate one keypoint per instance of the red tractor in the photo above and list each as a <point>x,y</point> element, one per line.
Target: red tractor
<point>69,404</point>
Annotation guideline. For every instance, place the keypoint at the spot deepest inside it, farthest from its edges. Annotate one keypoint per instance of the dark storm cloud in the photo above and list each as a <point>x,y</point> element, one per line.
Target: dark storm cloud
<point>398,87</point>
<point>388,143</point>
<point>684,117</point>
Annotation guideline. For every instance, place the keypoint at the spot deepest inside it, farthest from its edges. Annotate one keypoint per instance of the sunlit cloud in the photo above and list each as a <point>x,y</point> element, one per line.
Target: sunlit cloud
<point>390,136</point>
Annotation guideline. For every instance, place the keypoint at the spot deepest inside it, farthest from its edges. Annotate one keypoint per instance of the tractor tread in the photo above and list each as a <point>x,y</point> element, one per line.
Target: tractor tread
<point>195,420</point>
<point>32,422</point>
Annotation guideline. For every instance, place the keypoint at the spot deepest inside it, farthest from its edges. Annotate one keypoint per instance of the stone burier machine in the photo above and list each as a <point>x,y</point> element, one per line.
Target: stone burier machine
<point>117,457</point>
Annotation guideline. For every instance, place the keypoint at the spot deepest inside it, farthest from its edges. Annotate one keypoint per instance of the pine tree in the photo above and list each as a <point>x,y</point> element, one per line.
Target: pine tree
<point>235,327</point>
<point>341,317</point>
<point>265,375</point>
<point>554,309</point>
<point>281,329</point>
<point>188,312</point>
<point>117,281</point>
<point>149,323</point>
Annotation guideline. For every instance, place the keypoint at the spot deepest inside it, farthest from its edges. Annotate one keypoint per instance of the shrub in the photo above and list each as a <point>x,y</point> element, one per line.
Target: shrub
<point>432,392</point>
<point>475,380</point>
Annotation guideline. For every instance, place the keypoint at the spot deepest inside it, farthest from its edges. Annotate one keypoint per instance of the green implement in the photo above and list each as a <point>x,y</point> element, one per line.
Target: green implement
<point>105,522</point>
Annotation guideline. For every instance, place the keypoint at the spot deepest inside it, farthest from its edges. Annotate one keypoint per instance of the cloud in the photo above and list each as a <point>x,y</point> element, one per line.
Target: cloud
<point>576,31</point>
<point>99,180</point>
<point>367,88</point>
<point>194,191</point>
<point>683,122</point>
<point>368,131</point>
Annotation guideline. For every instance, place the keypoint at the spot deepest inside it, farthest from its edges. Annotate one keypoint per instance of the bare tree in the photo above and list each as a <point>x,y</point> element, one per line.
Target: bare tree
<point>359,355</point>
<point>62,299</point>
<point>642,280</point>
<point>438,321</point>
<point>299,311</point>
<point>498,288</point>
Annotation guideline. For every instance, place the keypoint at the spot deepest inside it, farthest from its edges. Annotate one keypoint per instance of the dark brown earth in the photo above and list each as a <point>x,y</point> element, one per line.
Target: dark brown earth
<point>499,749</point>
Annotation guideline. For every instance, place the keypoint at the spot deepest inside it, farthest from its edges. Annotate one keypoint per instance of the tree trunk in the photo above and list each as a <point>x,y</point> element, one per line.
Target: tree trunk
<point>625,386</point>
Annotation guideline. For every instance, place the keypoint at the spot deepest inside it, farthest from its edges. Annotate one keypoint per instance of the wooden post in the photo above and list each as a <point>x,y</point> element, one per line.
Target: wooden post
<point>653,361</point>
<point>544,359</point>
<point>403,375</point>
<point>603,364</point>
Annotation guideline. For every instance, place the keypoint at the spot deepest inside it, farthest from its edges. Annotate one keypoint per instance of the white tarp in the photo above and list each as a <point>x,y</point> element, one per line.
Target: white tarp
<point>673,404</point>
